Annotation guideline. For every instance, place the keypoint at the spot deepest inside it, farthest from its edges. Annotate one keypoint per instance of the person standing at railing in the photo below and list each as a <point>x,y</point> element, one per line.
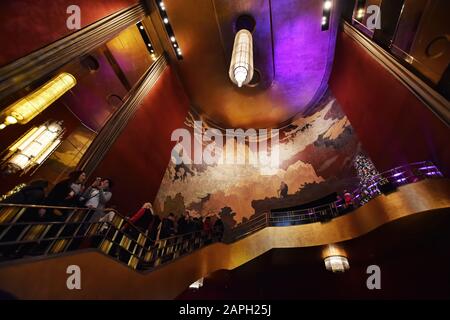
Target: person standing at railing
<point>208,229</point>
<point>182,223</point>
<point>108,218</point>
<point>65,193</point>
<point>207,225</point>
<point>197,224</point>
<point>339,204</point>
<point>33,193</point>
<point>143,219</point>
<point>97,196</point>
<point>348,201</point>
<point>167,227</point>
<point>219,228</point>
<point>153,234</point>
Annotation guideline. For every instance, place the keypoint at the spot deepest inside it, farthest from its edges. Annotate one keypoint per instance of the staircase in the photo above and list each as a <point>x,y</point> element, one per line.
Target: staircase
<point>116,264</point>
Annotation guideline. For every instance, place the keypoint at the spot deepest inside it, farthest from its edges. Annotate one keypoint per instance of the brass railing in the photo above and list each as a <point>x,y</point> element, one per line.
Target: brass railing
<point>73,230</point>
<point>383,183</point>
<point>24,234</point>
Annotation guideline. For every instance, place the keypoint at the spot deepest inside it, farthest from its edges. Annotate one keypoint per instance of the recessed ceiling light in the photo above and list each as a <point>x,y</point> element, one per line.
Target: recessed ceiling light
<point>166,21</point>
<point>327,5</point>
<point>172,38</point>
<point>161,4</point>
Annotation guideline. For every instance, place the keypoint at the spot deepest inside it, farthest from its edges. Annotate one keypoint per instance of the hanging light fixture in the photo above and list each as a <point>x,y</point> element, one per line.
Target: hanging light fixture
<point>34,103</point>
<point>33,148</point>
<point>335,259</point>
<point>241,67</point>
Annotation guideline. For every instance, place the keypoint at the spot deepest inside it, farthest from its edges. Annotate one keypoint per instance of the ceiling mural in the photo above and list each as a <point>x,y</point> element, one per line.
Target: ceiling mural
<point>315,159</point>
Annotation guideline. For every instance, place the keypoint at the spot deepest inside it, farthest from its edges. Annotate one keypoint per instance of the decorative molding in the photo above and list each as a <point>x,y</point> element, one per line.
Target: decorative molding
<point>119,120</point>
<point>42,62</point>
<point>432,99</point>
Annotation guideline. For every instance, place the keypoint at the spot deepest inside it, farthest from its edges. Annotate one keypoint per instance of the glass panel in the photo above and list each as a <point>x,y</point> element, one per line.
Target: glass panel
<point>34,232</point>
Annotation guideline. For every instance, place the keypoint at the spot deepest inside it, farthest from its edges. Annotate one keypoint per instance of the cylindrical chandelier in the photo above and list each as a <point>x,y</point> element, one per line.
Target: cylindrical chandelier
<point>335,259</point>
<point>337,264</point>
<point>33,148</point>
<point>34,103</point>
<point>241,67</point>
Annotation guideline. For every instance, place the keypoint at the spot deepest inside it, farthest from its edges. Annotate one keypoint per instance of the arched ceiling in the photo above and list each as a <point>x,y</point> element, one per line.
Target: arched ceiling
<point>292,52</point>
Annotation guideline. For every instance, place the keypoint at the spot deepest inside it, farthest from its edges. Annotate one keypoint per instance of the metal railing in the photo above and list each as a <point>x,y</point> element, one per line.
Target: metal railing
<point>385,182</point>
<point>23,233</point>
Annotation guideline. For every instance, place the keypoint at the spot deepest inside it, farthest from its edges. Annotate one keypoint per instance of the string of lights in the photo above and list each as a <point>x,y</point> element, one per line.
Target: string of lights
<point>165,18</point>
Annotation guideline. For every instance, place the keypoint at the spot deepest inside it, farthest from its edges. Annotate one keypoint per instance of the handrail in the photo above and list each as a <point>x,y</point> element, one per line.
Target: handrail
<point>139,251</point>
<point>430,170</point>
<point>38,206</point>
<point>35,206</point>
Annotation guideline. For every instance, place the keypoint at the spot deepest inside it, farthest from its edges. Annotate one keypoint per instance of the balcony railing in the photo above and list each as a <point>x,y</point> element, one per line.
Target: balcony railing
<point>385,182</point>
<point>119,238</point>
<point>22,236</point>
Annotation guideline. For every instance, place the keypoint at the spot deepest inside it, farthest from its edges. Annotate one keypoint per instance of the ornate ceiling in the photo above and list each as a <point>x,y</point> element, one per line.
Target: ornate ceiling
<point>291,51</point>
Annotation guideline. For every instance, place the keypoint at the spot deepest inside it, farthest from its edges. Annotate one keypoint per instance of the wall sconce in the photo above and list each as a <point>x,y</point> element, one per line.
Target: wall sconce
<point>34,103</point>
<point>241,66</point>
<point>197,284</point>
<point>33,148</point>
<point>335,259</point>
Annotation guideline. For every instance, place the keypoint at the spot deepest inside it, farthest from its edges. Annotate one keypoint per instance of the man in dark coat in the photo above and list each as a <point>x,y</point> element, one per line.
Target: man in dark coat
<point>167,227</point>
<point>32,194</point>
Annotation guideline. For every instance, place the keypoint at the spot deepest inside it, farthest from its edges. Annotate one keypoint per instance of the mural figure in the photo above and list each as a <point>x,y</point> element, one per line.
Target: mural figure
<point>283,190</point>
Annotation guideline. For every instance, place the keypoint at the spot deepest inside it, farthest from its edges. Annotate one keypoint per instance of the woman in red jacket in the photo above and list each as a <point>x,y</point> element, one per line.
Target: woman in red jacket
<point>143,220</point>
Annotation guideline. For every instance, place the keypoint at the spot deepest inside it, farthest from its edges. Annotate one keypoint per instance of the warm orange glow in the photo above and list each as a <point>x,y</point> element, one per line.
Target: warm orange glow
<point>33,148</point>
<point>34,103</point>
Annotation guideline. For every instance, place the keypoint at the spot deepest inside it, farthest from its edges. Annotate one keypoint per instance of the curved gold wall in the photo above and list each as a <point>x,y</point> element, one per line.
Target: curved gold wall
<point>104,278</point>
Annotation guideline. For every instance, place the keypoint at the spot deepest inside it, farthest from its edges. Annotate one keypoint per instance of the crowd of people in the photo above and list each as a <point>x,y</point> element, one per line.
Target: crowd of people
<point>70,192</point>
<point>74,192</point>
<point>148,222</point>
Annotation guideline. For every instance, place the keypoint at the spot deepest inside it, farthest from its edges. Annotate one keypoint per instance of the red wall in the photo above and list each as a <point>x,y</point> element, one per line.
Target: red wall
<point>88,100</point>
<point>392,124</point>
<point>138,159</point>
<point>28,25</point>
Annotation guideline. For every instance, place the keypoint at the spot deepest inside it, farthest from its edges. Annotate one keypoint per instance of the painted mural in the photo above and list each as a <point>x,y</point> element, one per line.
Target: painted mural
<point>316,155</point>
